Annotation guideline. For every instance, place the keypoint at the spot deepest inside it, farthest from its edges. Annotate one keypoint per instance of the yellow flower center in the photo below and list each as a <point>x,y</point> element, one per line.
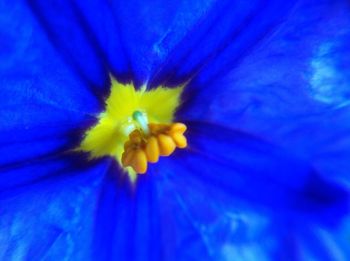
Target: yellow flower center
<point>136,127</point>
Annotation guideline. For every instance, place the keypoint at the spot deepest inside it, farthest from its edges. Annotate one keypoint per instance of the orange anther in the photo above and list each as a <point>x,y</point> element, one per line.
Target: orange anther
<point>139,161</point>
<point>152,150</point>
<point>157,128</point>
<point>178,127</point>
<point>143,147</point>
<point>179,139</point>
<point>166,145</point>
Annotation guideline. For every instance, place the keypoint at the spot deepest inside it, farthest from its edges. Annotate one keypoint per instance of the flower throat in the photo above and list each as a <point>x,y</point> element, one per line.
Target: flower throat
<point>136,127</point>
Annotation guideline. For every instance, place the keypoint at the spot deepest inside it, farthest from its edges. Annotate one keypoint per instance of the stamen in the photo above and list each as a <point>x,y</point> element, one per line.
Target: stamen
<point>161,140</point>
<point>166,145</point>
<point>152,150</point>
<point>139,162</point>
<point>177,130</point>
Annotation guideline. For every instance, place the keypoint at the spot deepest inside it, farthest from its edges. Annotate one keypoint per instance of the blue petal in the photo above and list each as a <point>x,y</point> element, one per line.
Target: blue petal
<point>141,39</point>
<point>150,221</point>
<point>53,219</point>
<point>261,172</point>
<point>116,36</point>
<point>38,169</point>
<point>245,174</point>
<point>157,41</point>
<point>198,222</point>
<point>220,39</point>
<point>292,90</point>
<point>323,245</point>
<point>31,68</point>
<point>304,62</point>
<point>127,225</point>
<point>74,42</point>
<point>44,107</point>
<point>150,30</point>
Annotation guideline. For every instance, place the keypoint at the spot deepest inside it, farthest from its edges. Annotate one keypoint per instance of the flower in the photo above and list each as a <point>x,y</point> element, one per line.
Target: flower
<point>266,103</point>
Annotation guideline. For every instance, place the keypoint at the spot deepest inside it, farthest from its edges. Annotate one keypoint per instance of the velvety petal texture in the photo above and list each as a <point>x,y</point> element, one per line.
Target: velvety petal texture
<point>43,104</point>
<point>51,219</point>
<point>127,225</point>
<point>244,209</point>
<point>297,95</point>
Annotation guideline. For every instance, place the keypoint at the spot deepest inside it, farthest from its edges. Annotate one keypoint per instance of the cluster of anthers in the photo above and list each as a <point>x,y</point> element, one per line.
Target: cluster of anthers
<point>150,141</point>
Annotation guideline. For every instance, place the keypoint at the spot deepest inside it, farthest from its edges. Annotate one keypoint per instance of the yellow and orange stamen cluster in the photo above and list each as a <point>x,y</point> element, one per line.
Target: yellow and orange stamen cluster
<point>150,141</point>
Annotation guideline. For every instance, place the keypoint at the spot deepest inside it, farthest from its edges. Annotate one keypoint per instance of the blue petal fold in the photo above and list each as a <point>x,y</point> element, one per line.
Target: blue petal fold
<point>137,36</point>
<point>220,40</point>
<point>292,90</point>
<point>156,43</point>
<point>265,174</point>
<point>127,222</point>
<point>51,219</point>
<point>44,106</point>
<point>279,198</point>
<point>114,36</point>
<point>74,42</point>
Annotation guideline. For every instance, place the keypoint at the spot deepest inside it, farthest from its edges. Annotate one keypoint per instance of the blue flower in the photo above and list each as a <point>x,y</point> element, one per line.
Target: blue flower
<point>266,103</point>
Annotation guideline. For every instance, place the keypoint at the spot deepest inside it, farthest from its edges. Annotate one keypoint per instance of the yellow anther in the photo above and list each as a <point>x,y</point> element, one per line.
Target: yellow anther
<point>158,128</point>
<point>178,127</point>
<point>152,150</point>
<point>161,140</point>
<point>179,139</point>
<point>139,161</point>
<point>166,145</point>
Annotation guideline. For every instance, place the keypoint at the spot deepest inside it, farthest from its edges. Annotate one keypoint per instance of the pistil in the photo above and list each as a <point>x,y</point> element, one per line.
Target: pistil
<point>141,120</point>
